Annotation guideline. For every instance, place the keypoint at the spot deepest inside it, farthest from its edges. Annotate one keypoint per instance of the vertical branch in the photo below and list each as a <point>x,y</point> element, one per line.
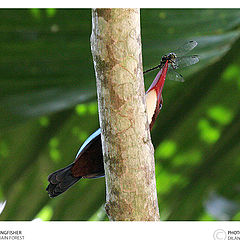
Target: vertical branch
<point>127,148</point>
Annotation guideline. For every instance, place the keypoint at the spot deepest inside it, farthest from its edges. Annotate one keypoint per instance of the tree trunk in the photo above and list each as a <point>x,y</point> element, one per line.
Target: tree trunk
<point>127,149</point>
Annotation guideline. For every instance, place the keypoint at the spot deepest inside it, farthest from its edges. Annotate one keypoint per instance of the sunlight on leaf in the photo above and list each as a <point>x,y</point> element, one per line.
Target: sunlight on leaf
<point>232,73</point>
<point>92,108</point>
<point>206,217</point>
<point>220,114</point>
<point>187,158</point>
<point>99,215</point>
<point>81,109</point>
<point>166,180</point>
<point>75,131</point>
<point>166,149</point>
<point>54,151</point>
<point>54,142</point>
<point>36,12</point>
<point>162,15</point>
<point>45,214</point>
<point>44,121</point>
<point>51,12</point>
<point>208,133</point>
<point>80,134</point>
<point>55,154</point>
<point>236,217</point>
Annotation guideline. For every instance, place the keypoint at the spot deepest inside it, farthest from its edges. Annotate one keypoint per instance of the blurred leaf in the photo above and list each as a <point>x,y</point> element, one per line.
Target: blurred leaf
<point>40,77</point>
<point>45,67</point>
<point>45,214</point>
<point>51,12</point>
<point>35,12</point>
<point>220,114</point>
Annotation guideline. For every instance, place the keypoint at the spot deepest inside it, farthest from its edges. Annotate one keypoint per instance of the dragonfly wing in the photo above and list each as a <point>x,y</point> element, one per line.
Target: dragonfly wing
<point>186,61</point>
<point>173,75</point>
<point>185,48</point>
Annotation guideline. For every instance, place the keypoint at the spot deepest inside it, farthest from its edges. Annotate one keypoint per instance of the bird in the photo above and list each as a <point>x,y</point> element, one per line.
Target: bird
<point>88,162</point>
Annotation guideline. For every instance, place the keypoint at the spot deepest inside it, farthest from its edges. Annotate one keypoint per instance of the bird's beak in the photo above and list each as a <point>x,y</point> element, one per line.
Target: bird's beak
<point>158,83</point>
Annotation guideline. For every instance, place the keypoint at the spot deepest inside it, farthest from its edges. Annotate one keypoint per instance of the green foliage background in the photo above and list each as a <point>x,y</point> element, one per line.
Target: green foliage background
<point>48,108</point>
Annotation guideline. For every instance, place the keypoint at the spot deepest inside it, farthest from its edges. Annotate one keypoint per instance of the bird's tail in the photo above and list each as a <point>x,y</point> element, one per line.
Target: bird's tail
<point>60,181</point>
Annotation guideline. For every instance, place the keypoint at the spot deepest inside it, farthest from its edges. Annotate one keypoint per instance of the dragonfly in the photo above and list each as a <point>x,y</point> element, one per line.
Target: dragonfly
<point>178,59</point>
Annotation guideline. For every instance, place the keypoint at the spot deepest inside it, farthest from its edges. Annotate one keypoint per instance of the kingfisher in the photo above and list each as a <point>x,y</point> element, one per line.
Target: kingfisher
<point>88,162</point>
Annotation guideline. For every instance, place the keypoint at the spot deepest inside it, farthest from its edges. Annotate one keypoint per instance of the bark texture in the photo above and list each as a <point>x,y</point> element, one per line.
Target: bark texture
<point>127,149</point>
